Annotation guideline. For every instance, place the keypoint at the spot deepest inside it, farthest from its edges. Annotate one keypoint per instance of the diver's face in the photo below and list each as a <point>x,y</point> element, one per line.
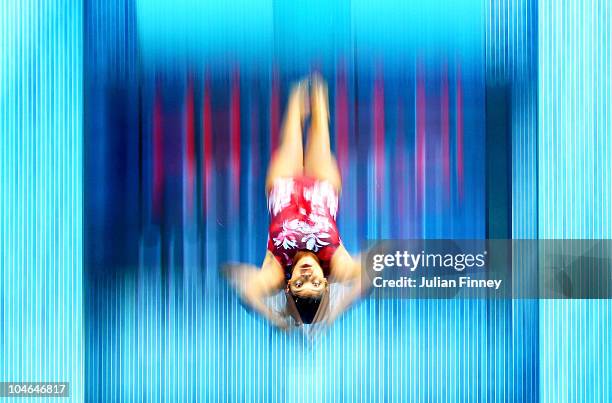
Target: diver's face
<point>307,279</point>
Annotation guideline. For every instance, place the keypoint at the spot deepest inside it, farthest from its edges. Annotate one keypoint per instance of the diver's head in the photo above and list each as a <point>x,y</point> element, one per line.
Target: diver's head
<point>307,279</point>
<point>307,289</point>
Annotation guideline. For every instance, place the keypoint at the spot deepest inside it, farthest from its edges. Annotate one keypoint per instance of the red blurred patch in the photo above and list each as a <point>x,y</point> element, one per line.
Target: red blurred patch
<point>379,133</point>
<point>207,145</point>
<point>445,141</point>
<point>459,163</point>
<point>190,148</point>
<point>420,138</point>
<point>235,136</point>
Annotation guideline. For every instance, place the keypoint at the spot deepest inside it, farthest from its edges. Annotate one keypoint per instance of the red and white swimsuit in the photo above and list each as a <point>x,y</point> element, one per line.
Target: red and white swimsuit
<point>303,217</point>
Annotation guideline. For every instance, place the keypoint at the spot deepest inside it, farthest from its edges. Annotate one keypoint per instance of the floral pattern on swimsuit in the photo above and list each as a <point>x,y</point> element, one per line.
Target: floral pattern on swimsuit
<point>302,217</point>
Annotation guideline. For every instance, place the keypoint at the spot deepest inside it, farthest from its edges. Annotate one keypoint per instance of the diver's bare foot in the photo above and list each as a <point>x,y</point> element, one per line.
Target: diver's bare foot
<point>281,324</point>
<point>299,99</point>
<point>319,101</point>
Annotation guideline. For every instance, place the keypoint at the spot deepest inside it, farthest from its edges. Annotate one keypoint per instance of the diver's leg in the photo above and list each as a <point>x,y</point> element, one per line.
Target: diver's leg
<point>319,162</point>
<point>287,159</point>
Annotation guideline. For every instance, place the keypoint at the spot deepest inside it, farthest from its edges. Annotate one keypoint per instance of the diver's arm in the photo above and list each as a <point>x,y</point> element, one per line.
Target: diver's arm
<point>343,267</point>
<point>254,285</point>
<point>347,270</point>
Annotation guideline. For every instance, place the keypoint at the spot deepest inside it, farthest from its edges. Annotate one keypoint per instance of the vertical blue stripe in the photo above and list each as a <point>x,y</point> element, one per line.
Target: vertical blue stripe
<point>41,193</point>
<point>575,182</point>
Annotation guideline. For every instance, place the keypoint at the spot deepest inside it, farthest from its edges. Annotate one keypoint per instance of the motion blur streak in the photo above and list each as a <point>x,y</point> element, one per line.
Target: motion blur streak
<point>459,131</point>
<point>190,150</point>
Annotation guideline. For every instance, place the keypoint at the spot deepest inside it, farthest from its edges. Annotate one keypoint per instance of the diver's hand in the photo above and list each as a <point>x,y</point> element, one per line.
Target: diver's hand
<point>254,285</point>
<point>280,323</point>
<point>238,274</point>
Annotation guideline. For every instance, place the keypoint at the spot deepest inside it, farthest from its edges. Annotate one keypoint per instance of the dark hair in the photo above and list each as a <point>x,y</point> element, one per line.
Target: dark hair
<point>307,310</point>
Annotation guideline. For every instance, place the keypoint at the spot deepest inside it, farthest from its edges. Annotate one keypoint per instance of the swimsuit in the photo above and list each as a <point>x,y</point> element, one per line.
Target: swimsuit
<point>302,218</point>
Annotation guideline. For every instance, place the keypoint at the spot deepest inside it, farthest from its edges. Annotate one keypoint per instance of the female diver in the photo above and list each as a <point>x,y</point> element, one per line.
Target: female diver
<point>304,252</point>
